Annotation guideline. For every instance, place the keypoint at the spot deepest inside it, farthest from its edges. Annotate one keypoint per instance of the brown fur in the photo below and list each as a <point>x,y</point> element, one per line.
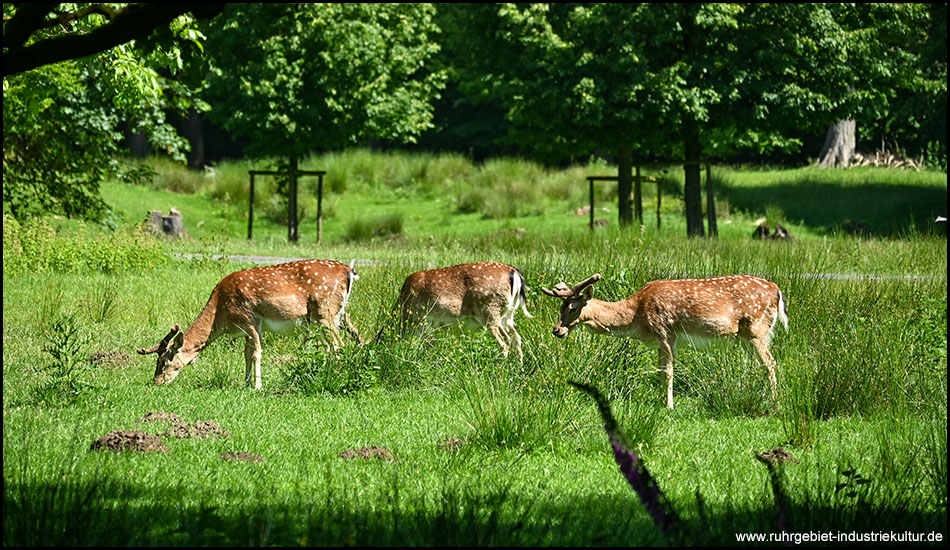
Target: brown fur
<point>244,302</point>
<point>480,292</point>
<point>661,311</point>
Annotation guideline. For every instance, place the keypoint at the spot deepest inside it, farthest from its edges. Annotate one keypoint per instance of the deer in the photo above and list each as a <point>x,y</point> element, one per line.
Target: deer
<point>276,298</point>
<point>485,294</point>
<point>664,311</point>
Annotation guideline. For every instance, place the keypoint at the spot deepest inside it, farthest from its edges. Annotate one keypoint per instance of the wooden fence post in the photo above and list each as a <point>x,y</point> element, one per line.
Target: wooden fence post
<point>250,208</point>
<point>711,204</point>
<point>320,208</point>
<point>638,197</point>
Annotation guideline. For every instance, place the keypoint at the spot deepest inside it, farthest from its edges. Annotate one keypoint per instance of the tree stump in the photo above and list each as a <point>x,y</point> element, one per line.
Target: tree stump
<point>171,226</point>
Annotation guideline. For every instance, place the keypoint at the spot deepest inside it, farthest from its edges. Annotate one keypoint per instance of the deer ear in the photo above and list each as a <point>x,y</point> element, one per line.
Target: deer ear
<point>179,340</point>
<point>588,292</point>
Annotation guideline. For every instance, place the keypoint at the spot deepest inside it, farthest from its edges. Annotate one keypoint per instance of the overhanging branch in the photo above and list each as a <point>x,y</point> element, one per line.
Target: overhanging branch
<point>135,21</point>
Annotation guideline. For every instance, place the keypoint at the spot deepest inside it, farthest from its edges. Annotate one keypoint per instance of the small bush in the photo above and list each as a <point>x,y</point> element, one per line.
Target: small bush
<point>68,363</point>
<point>172,176</point>
<point>36,247</point>
<point>382,226</point>
<point>320,371</point>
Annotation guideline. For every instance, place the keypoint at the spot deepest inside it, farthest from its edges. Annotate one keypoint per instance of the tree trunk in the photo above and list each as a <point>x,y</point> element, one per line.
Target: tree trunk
<point>193,131</point>
<point>711,204</point>
<point>624,184</point>
<point>638,198</point>
<point>292,201</point>
<point>839,145</point>
<point>692,190</point>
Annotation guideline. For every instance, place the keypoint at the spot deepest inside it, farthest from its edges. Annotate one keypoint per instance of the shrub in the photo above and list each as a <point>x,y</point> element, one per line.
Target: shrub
<point>36,247</point>
<point>380,226</point>
<point>175,177</point>
<point>65,347</point>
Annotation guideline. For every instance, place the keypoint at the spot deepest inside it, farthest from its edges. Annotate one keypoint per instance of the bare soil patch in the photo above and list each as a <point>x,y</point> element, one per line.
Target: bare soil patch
<point>115,359</point>
<point>452,444</point>
<point>368,453</point>
<point>120,440</point>
<point>160,416</point>
<point>241,456</point>
<point>201,429</point>
<point>776,456</point>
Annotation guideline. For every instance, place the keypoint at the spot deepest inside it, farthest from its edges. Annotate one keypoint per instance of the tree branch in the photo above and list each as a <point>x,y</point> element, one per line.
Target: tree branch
<point>135,21</point>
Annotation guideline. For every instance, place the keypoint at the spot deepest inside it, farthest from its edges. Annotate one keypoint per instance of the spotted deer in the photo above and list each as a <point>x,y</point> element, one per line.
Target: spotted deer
<point>276,298</point>
<point>664,311</point>
<point>484,294</point>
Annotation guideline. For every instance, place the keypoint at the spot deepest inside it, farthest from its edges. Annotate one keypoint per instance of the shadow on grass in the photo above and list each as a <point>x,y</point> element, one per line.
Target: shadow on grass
<point>875,209</point>
<point>108,512</point>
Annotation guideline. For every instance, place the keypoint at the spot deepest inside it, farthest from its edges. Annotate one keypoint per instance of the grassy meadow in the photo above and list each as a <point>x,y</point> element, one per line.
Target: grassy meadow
<point>484,451</point>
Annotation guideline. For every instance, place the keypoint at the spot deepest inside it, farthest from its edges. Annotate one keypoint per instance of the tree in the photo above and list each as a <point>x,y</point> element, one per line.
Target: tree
<point>64,99</point>
<point>299,77</point>
<point>666,80</point>
<point>885,56</point>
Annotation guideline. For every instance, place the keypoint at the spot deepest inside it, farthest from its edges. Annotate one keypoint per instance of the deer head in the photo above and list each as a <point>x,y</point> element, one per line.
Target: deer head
<point>169,363</point>
<point>574,300</point>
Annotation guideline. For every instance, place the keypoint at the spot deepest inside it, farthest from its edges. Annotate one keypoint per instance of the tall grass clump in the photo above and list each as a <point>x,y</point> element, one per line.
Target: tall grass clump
<point>36,247</point>
<point>726,378</point>
<point>168,175</point>
<point>231,179</point>
<point>505,417</point>
<point>373,227</point>
<point>315,370</point>
<point>505,188</point>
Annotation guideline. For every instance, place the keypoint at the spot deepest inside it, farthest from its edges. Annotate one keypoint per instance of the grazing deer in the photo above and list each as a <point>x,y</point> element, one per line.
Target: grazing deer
<point>663,311</point>
<point>484,293</point>
<point>276,298</point>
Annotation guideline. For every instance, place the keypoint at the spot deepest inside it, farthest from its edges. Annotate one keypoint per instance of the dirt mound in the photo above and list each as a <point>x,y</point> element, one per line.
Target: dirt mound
<point>452,444</point>
<point>201,429</point>
<point>115,359</point>
<point>120,440</point>
<point>241,456</point>
<point>160,416</point>
<point>776,456</point>
<point>367,453</point>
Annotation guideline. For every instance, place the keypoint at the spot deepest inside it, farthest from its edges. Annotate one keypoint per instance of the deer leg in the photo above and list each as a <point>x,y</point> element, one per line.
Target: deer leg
<point>666,352</point>
<point>515,342</point>
<point>252,359</point>
<point>335,342</point>
<point>348,326</point>
<point>499,334</point>
<point>762,347</point>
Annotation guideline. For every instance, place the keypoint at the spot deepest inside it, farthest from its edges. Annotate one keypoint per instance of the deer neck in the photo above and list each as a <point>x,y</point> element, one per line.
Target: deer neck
<point>609,317</point>
<point>201,332</point>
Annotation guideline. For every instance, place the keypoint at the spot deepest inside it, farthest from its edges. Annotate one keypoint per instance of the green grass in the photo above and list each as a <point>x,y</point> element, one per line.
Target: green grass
<point>446,196</point>
<point>862,377</point>
<point>887,202</point>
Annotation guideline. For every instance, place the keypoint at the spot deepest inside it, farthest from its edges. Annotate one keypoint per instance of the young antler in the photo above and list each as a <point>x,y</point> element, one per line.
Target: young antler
<point>663,311</point>
<point>561,290</point>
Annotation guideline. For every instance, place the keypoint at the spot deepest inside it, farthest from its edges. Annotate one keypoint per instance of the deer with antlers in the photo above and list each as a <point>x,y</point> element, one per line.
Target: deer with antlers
<point>695,309</point>
<point>275,298</point>
<point>485,294</point>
